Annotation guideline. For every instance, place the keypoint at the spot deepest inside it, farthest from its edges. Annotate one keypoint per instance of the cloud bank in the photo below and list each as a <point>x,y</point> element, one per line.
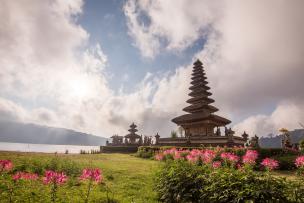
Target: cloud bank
<point>51,75</point>
<point>253,53</point>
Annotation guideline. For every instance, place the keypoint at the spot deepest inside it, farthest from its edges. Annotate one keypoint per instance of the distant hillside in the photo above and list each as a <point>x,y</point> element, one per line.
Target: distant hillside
<point>36,134</point>
<point>275,142</point>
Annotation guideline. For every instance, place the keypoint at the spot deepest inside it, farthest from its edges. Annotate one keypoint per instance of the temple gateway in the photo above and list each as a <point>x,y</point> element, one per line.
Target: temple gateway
<point>200,124</point>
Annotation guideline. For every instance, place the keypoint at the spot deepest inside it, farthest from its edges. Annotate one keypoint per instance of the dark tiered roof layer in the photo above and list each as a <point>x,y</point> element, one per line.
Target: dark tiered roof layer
<point>132,131</point>
<point>200,109</point>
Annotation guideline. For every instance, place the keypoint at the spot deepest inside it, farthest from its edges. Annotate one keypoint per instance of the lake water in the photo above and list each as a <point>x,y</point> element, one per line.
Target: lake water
<point>22,147</point>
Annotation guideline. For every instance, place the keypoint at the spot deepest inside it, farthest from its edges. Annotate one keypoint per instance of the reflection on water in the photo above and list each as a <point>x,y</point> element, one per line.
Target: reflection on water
<point>22,147</point>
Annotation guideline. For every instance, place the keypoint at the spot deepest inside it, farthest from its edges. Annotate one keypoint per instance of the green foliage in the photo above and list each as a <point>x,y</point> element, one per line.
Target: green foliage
<point>286,162</point>
<point>173,134</point>
<point>271,152</point>
<point>128,177</point>
<point>301,145</point>
<point>118,149</point>
<point>144,154</point>
<point>179,181</point>
<point>39,166</point>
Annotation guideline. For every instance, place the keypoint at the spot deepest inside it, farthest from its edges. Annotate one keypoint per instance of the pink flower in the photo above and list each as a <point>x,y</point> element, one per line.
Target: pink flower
<point>228,156</point>
<point>177,155</point>
<point>250,157</point>
<point>299,161</point>
<point>54,177</point>
<point>170,151</point>
<point>196,152</point>
<point>159,157</point>
<point>192,158</point>
<point>91,174</point>
<point>216,164</point>
<point>25,176</point>
<point>208,156</point>
<point>270,164</point>
<point>5,165</point>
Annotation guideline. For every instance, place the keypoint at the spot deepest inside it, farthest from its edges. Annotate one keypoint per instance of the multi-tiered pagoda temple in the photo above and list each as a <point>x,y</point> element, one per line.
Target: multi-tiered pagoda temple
<point>201,125</point>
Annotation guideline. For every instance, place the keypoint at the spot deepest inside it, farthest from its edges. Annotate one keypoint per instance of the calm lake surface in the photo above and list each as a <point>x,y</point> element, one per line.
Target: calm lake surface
<point>22,147</point>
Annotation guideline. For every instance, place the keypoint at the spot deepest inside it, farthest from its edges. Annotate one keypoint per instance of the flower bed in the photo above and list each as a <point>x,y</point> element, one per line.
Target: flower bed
<point>219,175</point>
<point>14,183</point>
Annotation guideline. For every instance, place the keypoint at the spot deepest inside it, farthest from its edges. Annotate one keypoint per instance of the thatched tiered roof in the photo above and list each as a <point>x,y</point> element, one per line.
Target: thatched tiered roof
<point>133,131</point>
<point>200,108</point>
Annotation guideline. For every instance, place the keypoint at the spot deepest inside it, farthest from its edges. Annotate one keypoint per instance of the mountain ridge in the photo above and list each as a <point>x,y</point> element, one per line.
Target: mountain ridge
<point>38,134</point>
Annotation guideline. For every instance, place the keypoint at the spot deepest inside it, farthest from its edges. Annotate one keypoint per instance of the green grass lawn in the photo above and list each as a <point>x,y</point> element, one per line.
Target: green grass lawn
<point>130,179</point>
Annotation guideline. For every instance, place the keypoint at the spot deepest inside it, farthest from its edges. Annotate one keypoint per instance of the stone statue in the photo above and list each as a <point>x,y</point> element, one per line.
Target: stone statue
<point>245,135</point>
<point>226,131</point>
<point>286,141</point>
<point>254,142</point>
<point>157,138</point>
<point>126,141</point>
<point>218,132</point>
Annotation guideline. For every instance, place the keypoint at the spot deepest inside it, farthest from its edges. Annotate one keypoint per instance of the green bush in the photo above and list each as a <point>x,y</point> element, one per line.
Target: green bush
<point>179,181</point>
<point>263,153</point>
<point>118,149</point>
<point>145,154</point>
<point>286,162</point>
<point>301,145</point>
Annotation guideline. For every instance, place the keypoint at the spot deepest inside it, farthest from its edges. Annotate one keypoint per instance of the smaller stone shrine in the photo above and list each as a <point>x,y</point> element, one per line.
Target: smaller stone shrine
<point>131,139</point>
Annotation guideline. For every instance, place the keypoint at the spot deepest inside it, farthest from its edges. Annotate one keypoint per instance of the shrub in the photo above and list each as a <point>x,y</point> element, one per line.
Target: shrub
<point>180,181</point>
<point>301,145</point>
<point>118,149</point>
<point>220,175</point>
<point>286,162</point>
<point>144,154</point>
<point>275,152</point>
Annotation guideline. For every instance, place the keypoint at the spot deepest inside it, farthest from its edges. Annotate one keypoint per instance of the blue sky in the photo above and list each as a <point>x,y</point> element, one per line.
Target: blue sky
<point>106,23</point>
<point>82,64</point>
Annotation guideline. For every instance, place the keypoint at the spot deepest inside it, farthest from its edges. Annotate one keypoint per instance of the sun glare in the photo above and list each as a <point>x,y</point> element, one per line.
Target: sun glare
<point>79,88</point>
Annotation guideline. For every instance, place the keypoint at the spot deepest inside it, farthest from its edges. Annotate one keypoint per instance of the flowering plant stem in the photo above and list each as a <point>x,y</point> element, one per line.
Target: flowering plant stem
<point>88,191</point>
<point>11,192</point>
<point>54,191</point>
<point>10,197</point>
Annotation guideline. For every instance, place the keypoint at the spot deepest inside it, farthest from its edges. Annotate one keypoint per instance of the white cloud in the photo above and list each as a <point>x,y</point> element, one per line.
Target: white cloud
<point>59,81</point>
<point>47,66</point>
<point>287,115</point>
<point>11,111</point>
<point>253,52</point>
<point>178,23</point>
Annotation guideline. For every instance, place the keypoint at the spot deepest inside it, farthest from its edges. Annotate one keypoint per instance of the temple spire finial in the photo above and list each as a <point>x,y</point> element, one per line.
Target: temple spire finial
<point>197,63</point>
